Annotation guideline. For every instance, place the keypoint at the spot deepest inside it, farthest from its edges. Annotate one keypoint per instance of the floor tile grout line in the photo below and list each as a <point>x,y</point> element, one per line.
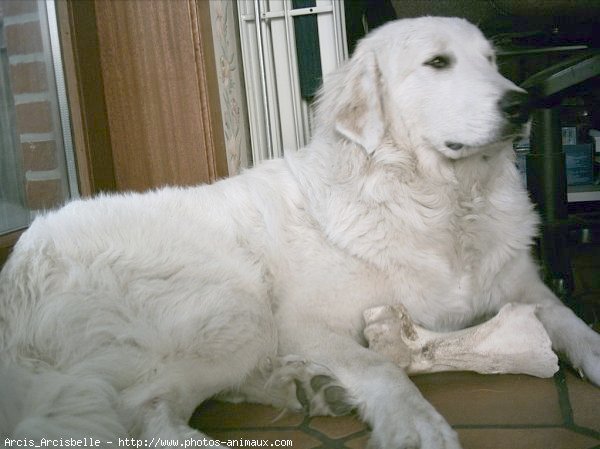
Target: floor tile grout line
<point>252,429</point>
<point>566,410</point>
<point>323,438</point>
<point>584,431</point>
<point>364,431</point>
<point>334,443</point>
<point>564,400</point>
<point>357,434</point>
<point>327,442</point>
<point>509,426</point>
<point>338,443</point>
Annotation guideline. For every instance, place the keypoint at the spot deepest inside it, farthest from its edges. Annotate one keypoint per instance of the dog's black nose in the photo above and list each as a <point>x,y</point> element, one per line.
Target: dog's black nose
<point>515,106</point>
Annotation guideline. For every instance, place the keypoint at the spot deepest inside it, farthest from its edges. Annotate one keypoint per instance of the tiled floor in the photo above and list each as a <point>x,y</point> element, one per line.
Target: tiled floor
<point>489,412</point>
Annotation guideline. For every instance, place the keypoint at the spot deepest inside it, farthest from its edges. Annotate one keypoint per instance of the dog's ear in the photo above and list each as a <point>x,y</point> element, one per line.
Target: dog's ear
<point>359,116</point>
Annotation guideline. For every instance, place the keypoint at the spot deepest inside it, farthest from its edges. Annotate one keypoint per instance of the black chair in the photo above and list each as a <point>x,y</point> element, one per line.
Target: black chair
<point>546,174</point>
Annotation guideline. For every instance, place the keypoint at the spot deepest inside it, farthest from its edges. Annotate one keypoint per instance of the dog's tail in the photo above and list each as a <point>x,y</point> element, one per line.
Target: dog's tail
<point>53,405</point>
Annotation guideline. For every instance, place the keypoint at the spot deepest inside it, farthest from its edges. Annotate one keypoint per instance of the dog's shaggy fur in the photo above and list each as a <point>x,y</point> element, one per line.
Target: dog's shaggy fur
<point>120,314</point>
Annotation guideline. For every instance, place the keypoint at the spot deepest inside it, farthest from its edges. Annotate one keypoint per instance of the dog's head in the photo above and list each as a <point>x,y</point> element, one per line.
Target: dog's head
<point>431,82</point>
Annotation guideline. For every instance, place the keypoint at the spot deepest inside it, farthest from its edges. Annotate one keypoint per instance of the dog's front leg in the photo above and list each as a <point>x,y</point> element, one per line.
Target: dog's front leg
<point>383,394</point>
<point>569,334</point>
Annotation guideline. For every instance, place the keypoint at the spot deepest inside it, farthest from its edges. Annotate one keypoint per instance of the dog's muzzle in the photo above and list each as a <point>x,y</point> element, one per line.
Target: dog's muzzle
<point>515,107</point>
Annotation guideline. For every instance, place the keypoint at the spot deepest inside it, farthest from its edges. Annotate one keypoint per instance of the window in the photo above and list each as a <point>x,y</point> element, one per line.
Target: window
<point>286,52</point>
<point>37,167</point>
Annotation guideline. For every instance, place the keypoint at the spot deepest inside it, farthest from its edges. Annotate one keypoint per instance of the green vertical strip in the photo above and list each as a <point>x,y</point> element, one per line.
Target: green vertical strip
<point>563,397</point>
<point>306,31</point>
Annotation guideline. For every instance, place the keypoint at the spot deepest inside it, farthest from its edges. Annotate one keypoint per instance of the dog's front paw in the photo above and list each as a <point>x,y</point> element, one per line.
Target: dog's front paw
<point>417,426</point>
<point>316,389</point>
<point>589,366</point>
<point>321,394</point>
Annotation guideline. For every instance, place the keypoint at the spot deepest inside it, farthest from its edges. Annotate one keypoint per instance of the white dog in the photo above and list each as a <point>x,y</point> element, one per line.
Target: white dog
<point>120,314</point>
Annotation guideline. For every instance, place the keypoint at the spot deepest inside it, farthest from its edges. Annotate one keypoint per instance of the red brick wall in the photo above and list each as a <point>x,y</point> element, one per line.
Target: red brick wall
<point>30,72</point>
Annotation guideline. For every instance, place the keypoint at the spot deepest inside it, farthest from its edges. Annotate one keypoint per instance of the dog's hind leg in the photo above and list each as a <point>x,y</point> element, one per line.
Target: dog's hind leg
<point>217,351</point>
<point>163,404</point>
<point>162,428</point>
<point>295,383</point>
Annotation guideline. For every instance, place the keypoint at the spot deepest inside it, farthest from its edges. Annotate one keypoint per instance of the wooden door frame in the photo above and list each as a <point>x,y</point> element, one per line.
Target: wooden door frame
<point>85,89</point>
<point>87,100</point>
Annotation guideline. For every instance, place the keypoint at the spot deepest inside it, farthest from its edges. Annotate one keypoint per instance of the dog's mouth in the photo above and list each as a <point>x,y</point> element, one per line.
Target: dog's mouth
<point>455,146</point>
<point>509,134</point>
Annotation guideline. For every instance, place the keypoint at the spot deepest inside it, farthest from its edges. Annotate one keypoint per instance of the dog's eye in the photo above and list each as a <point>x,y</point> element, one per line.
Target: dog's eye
<point>439,62</point>
<point>490,58</point>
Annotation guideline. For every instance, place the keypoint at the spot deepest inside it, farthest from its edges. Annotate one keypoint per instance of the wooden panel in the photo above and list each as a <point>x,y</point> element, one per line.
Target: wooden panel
<point>160,112</point>
<point>83,73</point>
<point>7,241</point>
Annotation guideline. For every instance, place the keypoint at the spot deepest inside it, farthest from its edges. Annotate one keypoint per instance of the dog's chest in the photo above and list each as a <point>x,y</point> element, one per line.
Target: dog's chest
<point>443,260</point>
<point>453,282</point>
<point>437,250</point>
<point>471,230</point>
<point>456,233</point>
